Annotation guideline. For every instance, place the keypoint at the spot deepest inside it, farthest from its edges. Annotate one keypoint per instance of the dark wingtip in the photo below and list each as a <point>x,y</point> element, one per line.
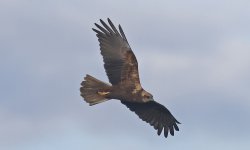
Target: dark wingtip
<point>121,31</point>
<point>177,122</point>
<point>96,24</point>
<point>166,132</point>
<point>95,30</point>
<point>159,131</point>
<point>109,21</point>
<point>102,21</point>
<point>120,27</point>
<point>99,33</point>
<point>176,127</point>
<point>171,129</point>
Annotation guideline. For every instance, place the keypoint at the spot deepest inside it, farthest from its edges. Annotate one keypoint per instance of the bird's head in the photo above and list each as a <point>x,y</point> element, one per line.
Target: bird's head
<point>146,96</point>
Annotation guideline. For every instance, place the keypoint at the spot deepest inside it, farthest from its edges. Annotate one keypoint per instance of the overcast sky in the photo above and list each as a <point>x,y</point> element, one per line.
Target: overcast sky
<point>193,56</point>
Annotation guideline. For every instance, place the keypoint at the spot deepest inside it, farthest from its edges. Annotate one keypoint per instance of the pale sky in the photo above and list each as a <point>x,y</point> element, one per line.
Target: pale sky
<point>193,57</point>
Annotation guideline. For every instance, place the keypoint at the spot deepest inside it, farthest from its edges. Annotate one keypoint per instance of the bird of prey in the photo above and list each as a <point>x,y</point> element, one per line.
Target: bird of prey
<point>122,70</point>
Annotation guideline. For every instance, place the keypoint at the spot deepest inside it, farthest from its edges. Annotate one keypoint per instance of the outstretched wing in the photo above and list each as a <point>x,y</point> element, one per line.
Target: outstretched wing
<point>156,115</point>
<point>119,60</point>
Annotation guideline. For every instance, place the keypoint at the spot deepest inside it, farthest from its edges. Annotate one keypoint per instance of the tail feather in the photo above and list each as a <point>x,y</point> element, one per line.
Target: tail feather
<point>91,90</point>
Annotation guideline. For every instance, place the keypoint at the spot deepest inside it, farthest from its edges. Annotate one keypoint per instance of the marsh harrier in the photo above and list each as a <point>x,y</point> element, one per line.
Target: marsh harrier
<point>122,70</point>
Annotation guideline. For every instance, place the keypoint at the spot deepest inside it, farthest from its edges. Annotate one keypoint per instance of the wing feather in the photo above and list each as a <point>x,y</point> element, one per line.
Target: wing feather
<point>160,125</point>
<point>119,60</point>
<point>107,27</point>
<point>122,33</point>
<point>102,29</point>
<point>157,116</point>
<point>113,27</point>
<point>166,131</point>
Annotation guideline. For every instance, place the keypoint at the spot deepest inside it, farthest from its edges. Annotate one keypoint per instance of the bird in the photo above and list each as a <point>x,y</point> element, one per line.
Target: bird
<point>121,68</point>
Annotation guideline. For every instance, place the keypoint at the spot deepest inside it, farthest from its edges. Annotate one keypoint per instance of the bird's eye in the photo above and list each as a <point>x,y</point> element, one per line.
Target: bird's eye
<point>147,97</point>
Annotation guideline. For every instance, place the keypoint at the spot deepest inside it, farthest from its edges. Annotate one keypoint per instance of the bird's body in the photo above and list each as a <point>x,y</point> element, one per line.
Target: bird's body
<point>122,70</point>
<point>121,92</point>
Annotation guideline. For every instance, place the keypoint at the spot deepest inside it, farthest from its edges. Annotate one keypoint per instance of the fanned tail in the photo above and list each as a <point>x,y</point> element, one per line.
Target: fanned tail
<point>93,90</point>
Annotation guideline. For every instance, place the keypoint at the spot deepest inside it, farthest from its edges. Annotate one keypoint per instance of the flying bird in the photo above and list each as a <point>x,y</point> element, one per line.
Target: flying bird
<point>121,68</point>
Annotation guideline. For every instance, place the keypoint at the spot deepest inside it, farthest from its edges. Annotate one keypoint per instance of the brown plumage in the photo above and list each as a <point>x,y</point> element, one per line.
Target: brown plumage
<point>122,70</point>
